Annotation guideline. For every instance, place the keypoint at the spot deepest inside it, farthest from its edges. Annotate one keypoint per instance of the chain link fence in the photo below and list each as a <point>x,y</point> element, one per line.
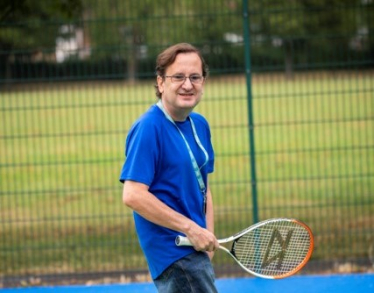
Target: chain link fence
<point>290,101</point>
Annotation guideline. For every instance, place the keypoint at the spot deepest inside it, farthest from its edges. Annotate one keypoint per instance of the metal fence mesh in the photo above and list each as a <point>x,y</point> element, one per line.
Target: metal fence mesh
<point>292,130</point>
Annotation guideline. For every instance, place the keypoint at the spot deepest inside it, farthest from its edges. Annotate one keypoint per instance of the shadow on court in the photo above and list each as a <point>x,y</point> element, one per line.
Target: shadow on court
<point>360,283</point>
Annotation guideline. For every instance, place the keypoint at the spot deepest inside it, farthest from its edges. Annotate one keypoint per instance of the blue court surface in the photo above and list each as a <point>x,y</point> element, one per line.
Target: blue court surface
<point>360,283</point>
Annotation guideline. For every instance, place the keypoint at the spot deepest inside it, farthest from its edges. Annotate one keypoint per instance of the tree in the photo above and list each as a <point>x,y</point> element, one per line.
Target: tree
<point>305,31</point>
<point>23,28</point>
<point>119,30</point>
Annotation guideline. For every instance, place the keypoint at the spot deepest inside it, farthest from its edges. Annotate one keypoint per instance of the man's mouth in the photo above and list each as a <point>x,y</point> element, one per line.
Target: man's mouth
<point>186,94</point>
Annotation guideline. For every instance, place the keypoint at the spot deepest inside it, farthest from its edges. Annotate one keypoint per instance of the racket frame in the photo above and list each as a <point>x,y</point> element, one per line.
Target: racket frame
<point>183,241</point>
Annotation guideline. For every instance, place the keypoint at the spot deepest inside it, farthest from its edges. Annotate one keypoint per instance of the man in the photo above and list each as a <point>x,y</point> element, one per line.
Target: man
<point>168,158</point>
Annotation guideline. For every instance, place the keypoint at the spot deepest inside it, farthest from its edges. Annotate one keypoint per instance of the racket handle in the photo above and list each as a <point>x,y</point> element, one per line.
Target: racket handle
<point>182,241</point>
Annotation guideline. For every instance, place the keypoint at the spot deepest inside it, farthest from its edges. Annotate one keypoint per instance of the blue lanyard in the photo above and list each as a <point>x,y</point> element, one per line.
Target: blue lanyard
<point>193,160</point>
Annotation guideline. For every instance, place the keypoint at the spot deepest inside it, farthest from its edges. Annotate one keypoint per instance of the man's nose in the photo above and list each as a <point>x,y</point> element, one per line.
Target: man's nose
<point>187,83</point>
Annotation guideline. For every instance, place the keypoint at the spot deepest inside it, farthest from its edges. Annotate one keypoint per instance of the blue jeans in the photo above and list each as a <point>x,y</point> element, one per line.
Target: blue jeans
<point>191,274</point>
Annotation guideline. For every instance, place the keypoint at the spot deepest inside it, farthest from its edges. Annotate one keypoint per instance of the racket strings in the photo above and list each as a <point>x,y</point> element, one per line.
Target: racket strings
<point>274,249</point>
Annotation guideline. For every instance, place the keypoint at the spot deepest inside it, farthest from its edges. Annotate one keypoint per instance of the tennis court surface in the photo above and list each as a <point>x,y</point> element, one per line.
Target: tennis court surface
<point>360,283</point>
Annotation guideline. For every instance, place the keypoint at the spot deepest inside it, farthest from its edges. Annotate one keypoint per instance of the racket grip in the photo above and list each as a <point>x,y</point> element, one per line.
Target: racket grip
<point>182,241</point>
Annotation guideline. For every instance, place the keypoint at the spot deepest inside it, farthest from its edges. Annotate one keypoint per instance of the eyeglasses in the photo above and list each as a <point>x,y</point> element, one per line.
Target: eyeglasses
<point>180,78</point>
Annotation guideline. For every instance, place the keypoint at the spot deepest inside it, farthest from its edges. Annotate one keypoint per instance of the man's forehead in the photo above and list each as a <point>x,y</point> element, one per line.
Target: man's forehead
<point>187,61</point>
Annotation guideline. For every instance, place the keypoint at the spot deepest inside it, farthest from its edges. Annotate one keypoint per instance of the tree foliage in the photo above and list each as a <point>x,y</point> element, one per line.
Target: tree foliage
<point>283,34</point>
<point>32,24</point>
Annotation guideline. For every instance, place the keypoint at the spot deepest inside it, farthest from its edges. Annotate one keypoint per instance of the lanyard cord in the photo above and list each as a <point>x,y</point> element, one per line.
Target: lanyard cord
<point>193,160</point>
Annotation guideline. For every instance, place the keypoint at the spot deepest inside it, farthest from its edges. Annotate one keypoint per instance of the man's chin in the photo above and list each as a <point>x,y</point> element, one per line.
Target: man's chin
<point>188,103</point>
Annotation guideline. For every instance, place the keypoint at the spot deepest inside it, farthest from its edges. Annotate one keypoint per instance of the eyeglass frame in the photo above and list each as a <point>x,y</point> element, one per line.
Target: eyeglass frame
<point>196,82</point>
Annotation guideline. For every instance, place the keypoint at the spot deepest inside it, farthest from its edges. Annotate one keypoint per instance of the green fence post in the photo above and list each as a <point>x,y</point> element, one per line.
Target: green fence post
<point>247,56</point>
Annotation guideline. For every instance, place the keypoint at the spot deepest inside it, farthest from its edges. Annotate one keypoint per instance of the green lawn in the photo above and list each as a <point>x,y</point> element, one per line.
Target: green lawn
<point>62,149</point>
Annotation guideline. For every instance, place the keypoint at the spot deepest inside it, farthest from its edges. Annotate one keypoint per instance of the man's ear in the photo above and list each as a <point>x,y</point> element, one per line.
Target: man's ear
<point>160,84</point>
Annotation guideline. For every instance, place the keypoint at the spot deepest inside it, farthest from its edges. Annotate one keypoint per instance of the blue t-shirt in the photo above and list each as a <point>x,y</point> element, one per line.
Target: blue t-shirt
<point>157,156</point>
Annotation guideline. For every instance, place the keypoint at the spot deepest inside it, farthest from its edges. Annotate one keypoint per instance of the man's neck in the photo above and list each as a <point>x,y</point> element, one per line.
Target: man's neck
<point>179,115</point>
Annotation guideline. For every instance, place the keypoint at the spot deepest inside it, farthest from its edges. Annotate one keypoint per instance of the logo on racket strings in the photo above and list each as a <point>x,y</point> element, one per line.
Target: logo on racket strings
<point>272,246</point>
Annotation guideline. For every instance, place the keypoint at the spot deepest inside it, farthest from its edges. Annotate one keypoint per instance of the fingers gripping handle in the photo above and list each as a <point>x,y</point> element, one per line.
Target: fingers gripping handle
<point>182,241</point>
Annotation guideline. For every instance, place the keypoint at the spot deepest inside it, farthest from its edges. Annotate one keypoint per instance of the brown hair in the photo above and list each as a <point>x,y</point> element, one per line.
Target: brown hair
<point>167,57</point>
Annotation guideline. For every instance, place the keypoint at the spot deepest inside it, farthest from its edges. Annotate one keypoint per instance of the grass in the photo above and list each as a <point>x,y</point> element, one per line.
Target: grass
<point>62,150</point>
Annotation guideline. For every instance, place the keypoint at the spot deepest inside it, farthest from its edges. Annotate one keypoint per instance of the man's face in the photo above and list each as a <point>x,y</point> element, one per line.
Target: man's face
<point>180,97</point>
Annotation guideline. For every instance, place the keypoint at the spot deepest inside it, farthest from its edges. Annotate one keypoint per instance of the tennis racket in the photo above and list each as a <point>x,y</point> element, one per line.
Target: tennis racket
<point>271,249</point>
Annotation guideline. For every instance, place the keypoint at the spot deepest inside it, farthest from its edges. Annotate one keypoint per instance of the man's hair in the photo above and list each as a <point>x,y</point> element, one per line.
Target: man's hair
<point>168,56</point>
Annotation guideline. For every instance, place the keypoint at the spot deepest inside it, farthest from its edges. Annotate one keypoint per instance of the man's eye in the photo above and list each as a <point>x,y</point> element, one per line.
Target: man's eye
<point>195,77</point>
<point>178,77</point>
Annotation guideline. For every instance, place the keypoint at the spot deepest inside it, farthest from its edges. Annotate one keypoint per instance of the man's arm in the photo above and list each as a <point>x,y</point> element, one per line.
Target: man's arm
<point>210,215</point>
<point>136,196</point>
